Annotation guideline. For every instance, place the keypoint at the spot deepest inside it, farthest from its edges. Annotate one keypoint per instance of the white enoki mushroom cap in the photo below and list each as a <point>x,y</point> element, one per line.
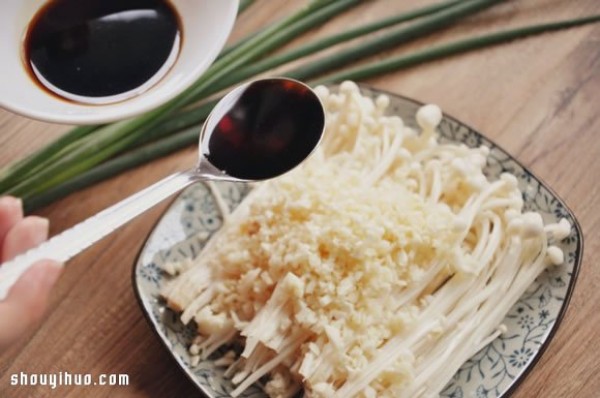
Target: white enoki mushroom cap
<point>478,159</point>
<point>429,117</point>
<point>349,87</point>
<point>555,255</point>
<point>460,166</point>
<point>478,182</point>
<point>323,390</point>
<point>322,92</point>
<point>485,150</point>
<point>560,230</point>
<point>510,180</point>
<point>533,225</point>
<point>382,102</point>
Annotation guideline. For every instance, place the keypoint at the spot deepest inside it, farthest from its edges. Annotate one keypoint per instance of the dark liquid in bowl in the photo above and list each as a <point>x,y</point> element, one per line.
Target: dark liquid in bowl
<point>100,48</point>
<point>271,127</point>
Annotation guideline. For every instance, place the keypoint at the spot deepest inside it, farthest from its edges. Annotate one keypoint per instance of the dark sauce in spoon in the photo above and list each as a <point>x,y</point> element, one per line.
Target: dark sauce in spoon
<point>101,48</point>
<point>268,129</point>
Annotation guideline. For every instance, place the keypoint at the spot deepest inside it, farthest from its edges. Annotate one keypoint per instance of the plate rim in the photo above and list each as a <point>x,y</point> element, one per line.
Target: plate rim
<point>536,356</point>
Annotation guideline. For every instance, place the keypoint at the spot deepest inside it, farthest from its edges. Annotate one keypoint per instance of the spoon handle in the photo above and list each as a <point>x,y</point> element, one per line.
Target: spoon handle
<point>74,240</point>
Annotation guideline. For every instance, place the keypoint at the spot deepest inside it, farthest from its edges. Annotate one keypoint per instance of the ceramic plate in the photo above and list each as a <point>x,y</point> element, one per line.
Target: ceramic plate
<point>493,372</point>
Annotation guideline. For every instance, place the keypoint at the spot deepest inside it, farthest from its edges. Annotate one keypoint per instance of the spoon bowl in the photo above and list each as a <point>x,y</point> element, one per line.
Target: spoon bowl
<point>262,129</point>
<point>258,131</point>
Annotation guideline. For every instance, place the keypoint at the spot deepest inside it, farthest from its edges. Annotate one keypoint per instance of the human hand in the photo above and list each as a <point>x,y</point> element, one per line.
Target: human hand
<point>26,301</point>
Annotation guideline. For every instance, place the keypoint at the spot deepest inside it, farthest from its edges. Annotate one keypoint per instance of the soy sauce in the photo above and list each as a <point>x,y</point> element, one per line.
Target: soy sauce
<point>270,128</point>
<point>101,48</point>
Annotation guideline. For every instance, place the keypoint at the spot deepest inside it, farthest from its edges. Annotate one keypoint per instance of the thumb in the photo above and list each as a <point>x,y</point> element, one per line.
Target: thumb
<point>26,301</point>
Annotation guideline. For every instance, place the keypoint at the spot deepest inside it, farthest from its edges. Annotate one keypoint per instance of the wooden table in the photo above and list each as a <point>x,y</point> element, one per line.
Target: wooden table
<point>537,98</point>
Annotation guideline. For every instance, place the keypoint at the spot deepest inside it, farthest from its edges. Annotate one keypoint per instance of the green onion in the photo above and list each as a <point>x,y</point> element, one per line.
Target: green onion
<point>321,44</point>
<point>179,121</point>
<point>237,44</point>
<point>453,48</point>
<point>426,25</point>
<point>190,136</point>
<point>112,167</point>
<point>29,165</point>
<point>264,42</point>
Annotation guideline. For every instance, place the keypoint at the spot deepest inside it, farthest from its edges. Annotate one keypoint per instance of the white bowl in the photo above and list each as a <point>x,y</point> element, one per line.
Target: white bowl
<point>206,24</point>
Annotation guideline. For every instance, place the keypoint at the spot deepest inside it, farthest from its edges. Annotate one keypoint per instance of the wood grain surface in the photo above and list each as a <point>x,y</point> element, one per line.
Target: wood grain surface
<point>538,98</point>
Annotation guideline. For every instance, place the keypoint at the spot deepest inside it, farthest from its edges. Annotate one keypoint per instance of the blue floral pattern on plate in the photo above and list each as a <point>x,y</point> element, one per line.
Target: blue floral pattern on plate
<point>493,372</point>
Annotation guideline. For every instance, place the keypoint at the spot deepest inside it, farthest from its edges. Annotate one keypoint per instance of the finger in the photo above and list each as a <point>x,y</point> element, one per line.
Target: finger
<point>27,233</point>
<point>11,212</point>
<point>26,301</point>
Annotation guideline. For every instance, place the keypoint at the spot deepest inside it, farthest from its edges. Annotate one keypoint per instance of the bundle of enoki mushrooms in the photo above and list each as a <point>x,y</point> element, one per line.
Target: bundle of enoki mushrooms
<point>376,269</point>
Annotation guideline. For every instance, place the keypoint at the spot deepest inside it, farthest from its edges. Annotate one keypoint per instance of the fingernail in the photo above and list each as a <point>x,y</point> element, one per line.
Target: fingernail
<point>12,202</point>
<point>40,227</point>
